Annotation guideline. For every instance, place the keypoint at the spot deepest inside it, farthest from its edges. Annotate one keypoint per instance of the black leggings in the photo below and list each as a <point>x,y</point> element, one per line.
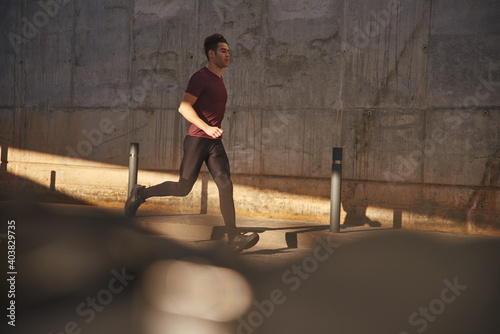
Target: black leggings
<point>196,151</point>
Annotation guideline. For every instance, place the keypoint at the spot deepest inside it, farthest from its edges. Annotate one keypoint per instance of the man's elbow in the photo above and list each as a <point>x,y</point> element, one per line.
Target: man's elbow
<point>181,109</point>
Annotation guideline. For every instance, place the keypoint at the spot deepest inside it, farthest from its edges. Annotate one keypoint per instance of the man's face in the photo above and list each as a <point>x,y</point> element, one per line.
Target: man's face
<point>221,57</point>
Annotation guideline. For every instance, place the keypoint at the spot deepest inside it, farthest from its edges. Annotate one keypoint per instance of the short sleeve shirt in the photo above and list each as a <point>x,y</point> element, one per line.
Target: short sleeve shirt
<point>210,106</point>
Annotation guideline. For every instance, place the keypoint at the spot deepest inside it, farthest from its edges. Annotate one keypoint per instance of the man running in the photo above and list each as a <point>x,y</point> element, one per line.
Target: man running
<point>203,105</point>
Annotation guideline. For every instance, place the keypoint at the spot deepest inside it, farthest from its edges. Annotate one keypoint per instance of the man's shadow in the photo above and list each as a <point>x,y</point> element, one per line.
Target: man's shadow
<point>356,215</point>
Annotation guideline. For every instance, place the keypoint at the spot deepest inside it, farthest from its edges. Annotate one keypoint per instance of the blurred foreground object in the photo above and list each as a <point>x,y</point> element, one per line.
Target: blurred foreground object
<point>84,270</point>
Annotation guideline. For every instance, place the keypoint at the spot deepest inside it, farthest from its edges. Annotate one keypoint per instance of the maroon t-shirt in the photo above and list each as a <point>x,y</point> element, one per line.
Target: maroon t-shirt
<point>210,106</point>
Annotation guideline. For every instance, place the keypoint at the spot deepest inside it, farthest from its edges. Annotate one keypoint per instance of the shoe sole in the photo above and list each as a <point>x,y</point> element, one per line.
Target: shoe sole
<point>252,242</point>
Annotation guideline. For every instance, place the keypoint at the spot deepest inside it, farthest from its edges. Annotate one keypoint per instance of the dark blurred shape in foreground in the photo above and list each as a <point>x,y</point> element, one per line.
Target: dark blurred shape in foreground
<point>92,272</point>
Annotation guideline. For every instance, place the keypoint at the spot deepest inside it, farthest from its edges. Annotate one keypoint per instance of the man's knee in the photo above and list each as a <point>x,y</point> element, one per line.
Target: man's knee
<point>185,187</point>
<point>223,182</point>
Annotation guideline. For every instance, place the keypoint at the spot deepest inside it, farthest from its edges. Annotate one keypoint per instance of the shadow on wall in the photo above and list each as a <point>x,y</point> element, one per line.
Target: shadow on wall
<point>356,215</point>
<point>479,215</point>
<point>482,204</point>
<point>15,187</point>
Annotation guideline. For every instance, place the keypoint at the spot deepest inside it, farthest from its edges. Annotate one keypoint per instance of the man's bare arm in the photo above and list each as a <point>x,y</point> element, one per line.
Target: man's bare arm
<point>186,110</point>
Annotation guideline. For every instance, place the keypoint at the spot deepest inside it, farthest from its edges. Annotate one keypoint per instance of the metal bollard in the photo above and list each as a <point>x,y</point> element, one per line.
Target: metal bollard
<point>133,165</point>
<point>336,190</point>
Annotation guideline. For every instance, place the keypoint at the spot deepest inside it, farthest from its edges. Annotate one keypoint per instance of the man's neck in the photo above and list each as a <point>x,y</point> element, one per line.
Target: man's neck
<point>215,69</point>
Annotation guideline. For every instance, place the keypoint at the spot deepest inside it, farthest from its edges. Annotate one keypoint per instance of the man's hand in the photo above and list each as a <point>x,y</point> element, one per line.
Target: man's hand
<point>213,132</point>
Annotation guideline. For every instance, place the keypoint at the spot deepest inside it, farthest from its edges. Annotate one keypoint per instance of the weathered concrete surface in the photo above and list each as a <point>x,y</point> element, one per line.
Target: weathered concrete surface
<point>409,89</point>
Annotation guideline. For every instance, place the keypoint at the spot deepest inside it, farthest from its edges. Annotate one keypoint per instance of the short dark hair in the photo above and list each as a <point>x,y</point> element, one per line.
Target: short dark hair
<point>212,42</point>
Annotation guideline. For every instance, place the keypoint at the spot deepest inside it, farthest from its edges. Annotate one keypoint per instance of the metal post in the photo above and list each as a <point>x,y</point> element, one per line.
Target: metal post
<point>133,166</point>
<point>336,190</point>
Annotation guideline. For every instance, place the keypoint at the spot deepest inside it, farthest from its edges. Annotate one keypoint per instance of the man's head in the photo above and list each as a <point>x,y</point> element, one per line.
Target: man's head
<point>215,43</point>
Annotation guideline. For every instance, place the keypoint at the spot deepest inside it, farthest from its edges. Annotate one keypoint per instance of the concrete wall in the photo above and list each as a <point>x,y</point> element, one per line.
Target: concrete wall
<point>409,89</point>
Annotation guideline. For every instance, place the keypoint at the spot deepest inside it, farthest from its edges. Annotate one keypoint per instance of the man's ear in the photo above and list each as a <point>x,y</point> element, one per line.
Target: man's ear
<point>211,54</point>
